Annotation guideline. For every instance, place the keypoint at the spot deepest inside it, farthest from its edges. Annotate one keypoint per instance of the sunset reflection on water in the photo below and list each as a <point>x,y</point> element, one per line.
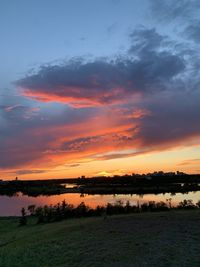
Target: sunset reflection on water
<point>11,206</point>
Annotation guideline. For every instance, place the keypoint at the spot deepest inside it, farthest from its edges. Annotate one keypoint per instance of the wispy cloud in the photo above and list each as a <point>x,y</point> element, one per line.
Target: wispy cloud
<point>190,162</point>
<point>23,172</point>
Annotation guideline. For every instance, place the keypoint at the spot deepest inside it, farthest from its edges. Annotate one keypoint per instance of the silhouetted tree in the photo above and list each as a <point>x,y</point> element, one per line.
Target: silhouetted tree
<point>82,209</point>
<point>186,204</point>
<point>198,204</point>
<point>128,206</point>
<point>40,215</point>
<point>64,210</point>
<point>161,206</point>
<point>58,212</point>
<point>169,201</point>
<point>31,209</point>
<point>23,219</point>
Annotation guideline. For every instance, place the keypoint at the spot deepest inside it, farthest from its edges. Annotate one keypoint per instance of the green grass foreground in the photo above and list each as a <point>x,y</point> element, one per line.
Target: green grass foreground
<point>145,239</point>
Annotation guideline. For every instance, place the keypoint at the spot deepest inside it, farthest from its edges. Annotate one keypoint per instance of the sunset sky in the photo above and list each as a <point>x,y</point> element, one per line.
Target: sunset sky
<point>99,87</point>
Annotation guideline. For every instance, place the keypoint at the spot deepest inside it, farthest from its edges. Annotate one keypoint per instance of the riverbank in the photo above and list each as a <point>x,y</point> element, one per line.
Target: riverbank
<point>146,239</point>
<point>100,190</point>
<point>127,184</point>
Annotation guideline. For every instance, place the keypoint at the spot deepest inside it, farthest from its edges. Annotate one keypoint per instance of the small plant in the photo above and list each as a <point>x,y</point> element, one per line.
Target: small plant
<point>23,219</point>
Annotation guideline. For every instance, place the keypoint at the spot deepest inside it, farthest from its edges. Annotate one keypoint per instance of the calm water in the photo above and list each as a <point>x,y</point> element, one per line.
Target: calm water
<point>11,206</point>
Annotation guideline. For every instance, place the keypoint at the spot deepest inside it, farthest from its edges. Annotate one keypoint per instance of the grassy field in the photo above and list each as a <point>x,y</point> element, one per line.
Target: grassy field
<point>147,239</point>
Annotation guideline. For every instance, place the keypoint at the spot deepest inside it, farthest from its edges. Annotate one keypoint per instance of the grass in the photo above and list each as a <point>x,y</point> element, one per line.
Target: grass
<point>146,239</point>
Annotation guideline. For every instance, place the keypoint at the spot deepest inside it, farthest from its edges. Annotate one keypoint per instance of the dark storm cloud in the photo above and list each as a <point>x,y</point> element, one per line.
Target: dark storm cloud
<point>156,63</point>
<point>173,119</point>
<point>146,40</point>
<point>77,81</point>
<point>147,68</point>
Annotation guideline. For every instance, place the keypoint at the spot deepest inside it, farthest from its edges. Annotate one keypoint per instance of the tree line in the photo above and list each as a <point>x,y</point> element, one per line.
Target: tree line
<point>63,210</point>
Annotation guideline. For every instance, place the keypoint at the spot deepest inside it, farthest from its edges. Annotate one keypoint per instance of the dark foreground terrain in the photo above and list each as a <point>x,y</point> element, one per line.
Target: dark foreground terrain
<point>146,239</point>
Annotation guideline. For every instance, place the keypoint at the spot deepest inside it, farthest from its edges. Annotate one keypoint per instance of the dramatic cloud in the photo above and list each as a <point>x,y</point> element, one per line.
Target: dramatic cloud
<point>61,137</point>
<point>147,69</point>
<point>78,83</point>
<point>173,119</point>
<point>143,101</point>
<point>27,132</point>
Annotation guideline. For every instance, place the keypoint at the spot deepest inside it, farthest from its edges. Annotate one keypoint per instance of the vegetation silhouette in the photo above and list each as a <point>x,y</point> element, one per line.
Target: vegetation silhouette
<point>23,218</point>
<point>61,211</point>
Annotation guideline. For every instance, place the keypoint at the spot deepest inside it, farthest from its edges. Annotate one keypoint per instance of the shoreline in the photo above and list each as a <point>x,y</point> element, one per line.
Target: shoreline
<point>104,190</point>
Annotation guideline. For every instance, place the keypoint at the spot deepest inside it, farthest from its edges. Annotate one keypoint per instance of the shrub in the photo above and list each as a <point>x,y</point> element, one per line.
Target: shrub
<point>23,219</point>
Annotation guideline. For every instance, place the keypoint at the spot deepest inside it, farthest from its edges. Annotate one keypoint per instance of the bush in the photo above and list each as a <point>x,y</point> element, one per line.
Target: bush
<point>186,204</point>
<point>23,219</point>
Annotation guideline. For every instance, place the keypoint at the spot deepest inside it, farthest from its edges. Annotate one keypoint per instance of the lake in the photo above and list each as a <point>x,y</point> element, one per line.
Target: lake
<point>11,206</point>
